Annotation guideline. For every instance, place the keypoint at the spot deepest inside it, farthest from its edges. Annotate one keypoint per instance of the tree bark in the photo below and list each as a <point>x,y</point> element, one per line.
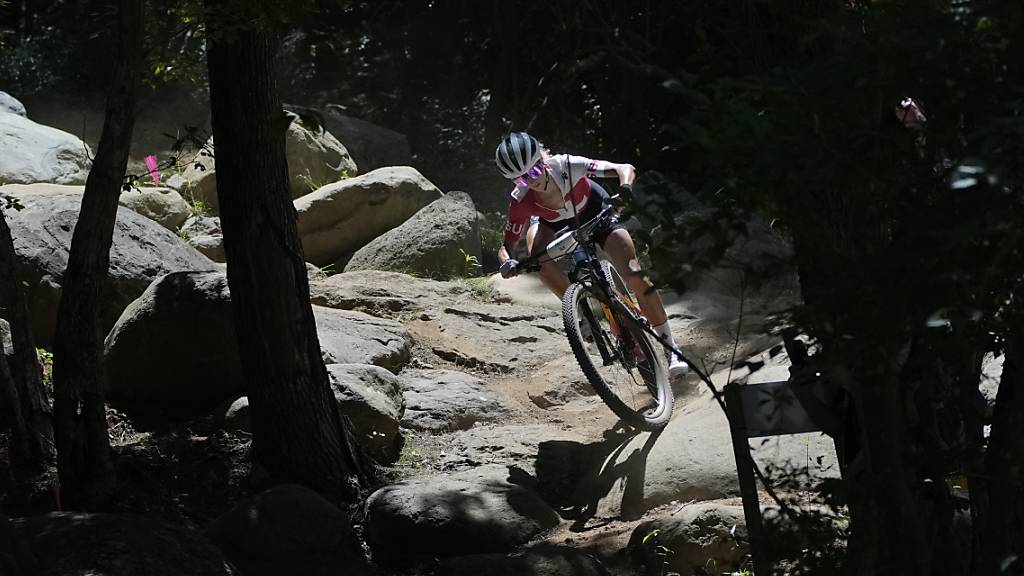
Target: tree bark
<point>35,446</point>
<point>83,447</point>
<point>298,433</point>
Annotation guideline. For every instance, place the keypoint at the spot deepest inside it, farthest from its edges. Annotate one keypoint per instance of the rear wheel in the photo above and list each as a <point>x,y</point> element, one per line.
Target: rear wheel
<point>618,358</point>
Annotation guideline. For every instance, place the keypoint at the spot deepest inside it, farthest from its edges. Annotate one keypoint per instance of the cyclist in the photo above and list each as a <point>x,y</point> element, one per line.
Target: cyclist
<point>554,189</point>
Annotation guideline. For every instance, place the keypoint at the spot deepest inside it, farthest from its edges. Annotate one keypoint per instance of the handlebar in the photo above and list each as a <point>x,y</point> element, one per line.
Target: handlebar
<point>580,234</point>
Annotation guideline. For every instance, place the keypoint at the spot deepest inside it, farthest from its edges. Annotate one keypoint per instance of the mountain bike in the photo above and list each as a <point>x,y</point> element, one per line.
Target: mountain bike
<point>609,335</point>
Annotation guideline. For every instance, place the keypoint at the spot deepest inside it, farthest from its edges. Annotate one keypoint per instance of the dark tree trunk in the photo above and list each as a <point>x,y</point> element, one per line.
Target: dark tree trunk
<point>35,447</point>
<point>83,448</point>
<point>1002,536</point>
<point>298,433</point>
<point>10,411</point>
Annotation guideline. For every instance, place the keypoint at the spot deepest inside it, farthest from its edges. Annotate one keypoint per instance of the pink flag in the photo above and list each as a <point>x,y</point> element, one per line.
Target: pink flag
<point>151,164</point>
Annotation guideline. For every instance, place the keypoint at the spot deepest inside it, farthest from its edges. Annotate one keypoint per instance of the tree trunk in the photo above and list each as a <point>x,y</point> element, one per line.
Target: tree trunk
<point>10,411</point>
<point>83,448</point>
<point>35,448</point>
<point>298,433</point>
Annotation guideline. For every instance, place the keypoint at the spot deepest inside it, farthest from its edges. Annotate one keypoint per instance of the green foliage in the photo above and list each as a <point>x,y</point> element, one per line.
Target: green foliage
<point>793,122</point>
<point>198,207</point>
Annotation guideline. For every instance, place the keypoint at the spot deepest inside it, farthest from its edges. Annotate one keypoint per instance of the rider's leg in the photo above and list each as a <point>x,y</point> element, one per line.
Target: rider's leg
<point>620,248</point>
<point>550,275</point>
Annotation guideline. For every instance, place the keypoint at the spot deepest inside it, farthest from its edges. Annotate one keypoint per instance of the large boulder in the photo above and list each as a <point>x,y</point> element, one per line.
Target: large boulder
<point>142,250</point>
<point>372,399</point>
<point>440,241</point>
<point>469,512</point>
<point>340,218</point>
<point>11,105</point>
<point>116,545</point>
<point>315,158</point>
<point>371,146</point>
<point>705,536</point>
<point>31,152</point>
<point>161,205</point>
<point>288,529</point>
<point>204,234</point>
<point>369,395</point>
<point>173,354</point>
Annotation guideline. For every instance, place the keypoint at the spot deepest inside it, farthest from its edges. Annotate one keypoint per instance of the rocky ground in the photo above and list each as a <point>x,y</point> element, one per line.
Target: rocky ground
<point>495,454</point>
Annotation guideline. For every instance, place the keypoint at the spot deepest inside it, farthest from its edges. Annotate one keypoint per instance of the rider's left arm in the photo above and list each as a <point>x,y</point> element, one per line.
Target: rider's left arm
<point>625,172</point>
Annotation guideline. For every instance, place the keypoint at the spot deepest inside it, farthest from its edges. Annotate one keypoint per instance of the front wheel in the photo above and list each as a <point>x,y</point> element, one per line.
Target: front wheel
<point>618,358</point>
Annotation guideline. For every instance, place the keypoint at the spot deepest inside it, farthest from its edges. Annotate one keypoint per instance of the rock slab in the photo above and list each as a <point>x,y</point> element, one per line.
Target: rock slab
<point>475,511</point>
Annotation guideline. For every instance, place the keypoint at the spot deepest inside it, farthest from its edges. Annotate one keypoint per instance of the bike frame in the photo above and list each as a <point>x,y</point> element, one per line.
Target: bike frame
<point>586,269</point>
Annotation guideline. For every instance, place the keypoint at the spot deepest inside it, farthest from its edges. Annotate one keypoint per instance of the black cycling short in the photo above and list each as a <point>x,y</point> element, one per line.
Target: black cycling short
<point>598,200</point>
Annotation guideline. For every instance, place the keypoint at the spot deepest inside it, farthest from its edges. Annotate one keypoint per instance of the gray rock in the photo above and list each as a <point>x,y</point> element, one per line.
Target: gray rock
<point>173,354</point>
<point>116,545</point>
<point>692,458</point>
<point>11,105</point>
<point>235,416</point>
<point>548,561</point>
<point>475,511</point>
<point>372,399</point>
<point>31,152</point>
<point>436,242</point>
<point>702,538</point>
<point>348,337</point>
<point>340,218</point>
<point>6,342</point>
<point>175,182</point>
<point>204,234</point>
<point>461,321</point>
<point>991,375</point>
<point>384,294</point>
<point>142,250</point>
<point>504,443</point>
<point>162,205</point>
<point>288,529</point>
<point>315,158</point>
<point>371,146</point>
<point>491,337</point>
<point>445,400</point>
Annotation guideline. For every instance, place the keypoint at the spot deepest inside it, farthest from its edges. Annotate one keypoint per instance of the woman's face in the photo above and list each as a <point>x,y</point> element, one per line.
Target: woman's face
<point>535,177</point>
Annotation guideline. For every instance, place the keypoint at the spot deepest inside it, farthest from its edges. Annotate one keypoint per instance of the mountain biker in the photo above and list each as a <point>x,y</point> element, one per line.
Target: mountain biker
<point>543,192</point>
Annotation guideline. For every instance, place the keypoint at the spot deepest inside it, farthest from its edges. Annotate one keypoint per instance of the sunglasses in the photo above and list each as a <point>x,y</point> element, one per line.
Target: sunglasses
<point>532,174</point>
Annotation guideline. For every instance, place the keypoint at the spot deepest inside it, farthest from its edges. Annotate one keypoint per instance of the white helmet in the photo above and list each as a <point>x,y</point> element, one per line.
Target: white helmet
<point>516,154</point>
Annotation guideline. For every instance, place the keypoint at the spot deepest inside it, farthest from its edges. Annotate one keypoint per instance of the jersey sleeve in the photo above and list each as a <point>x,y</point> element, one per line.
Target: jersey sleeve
<point>583,167</point>
<point>517,218</point>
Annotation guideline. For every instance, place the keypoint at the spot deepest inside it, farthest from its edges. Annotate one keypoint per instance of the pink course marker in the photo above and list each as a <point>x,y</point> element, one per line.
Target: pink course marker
<point>151,164</point>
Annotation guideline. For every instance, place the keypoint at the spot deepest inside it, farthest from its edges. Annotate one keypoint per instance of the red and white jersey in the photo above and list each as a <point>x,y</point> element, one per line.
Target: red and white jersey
<point>570,174</point>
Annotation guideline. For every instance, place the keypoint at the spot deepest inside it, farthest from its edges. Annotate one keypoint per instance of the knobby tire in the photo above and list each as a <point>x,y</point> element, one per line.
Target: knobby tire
<point>659,389</point>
